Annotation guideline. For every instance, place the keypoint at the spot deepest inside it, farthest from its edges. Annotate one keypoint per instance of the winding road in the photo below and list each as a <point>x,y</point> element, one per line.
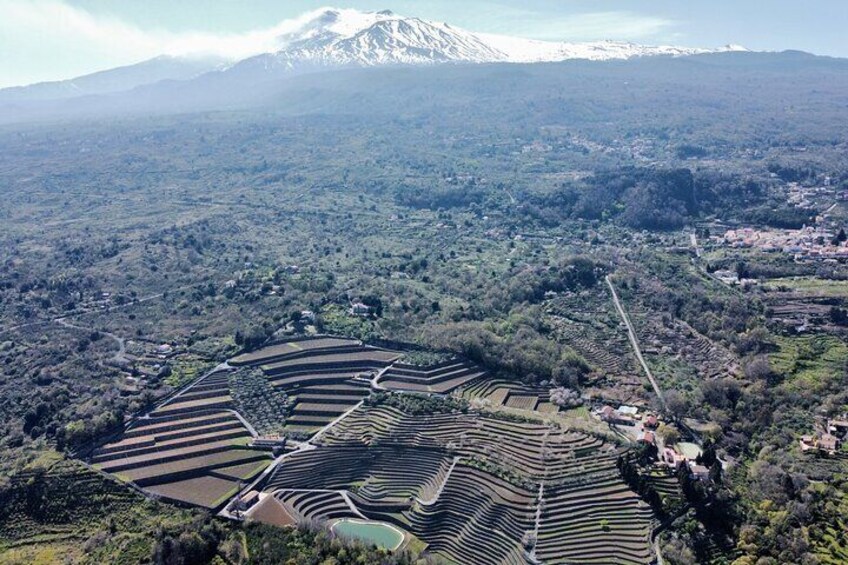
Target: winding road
<point>122,346</point>
<point>113,308</point>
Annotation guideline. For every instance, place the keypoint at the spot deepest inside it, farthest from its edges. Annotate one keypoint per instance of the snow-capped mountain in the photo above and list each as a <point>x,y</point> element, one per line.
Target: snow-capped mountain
<point>338,38</point>
<point>341,38</point>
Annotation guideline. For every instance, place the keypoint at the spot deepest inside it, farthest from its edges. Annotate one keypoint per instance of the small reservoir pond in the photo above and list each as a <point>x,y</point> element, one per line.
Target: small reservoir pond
<point>377,533</point>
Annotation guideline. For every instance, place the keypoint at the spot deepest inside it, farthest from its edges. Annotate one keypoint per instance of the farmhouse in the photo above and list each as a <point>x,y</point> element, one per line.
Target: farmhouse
<point>610,415</point>
<point>360,309</point>
<point>838,428</point>
<point>630,411</point>
<point>699,472</point>
<point>647,437</point>
<point>269,441</point>
<point>826,443</point>
<point>672,458</point>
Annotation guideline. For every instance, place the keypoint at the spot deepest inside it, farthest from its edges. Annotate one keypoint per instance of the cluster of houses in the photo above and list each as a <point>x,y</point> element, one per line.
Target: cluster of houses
<point>809,242</point>
<point>671,456</point>
<point>827,442</point>
<point>805,196</point>
<point>732,278</point>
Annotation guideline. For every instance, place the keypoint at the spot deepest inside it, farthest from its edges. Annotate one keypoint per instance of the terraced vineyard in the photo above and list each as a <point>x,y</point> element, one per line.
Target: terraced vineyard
<point>511,395</point>
<point>678,340</point>
<point>474,487</point>
<point>192,449</point>
<point>441,378</point>
<point>323,377</point>
<point>529,481</point>
<point>589,324</point>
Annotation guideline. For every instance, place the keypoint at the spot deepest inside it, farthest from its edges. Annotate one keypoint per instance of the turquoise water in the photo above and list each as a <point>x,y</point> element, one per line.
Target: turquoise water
<point>376,533</point>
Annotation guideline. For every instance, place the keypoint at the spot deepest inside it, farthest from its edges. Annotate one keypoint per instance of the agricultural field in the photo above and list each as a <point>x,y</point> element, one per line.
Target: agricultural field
<point>541,490</point>
<point>811,363</point>
<point>805,302</point>
<point>321,378</point>
<point>809,286</point>
<point>191,449</point>
<point>197,446</point>
<point>588,323</point>
<point>369,435</point>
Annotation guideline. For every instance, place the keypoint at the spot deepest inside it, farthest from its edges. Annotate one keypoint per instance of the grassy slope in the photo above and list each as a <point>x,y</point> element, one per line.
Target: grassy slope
<point>58,510</point>
<point>810,363</point>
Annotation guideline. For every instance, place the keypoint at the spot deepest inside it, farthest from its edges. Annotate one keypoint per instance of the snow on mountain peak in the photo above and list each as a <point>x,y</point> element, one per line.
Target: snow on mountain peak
<point>335,37</point>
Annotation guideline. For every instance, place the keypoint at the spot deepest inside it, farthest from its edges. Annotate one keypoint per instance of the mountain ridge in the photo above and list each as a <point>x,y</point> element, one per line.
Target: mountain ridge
<point>336,38</point>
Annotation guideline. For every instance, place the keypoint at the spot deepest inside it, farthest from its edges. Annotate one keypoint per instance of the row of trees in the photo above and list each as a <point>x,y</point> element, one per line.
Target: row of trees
<point>524,353</point>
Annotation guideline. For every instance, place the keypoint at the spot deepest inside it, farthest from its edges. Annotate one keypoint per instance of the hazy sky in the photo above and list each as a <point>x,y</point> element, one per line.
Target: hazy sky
<point>57,39</point>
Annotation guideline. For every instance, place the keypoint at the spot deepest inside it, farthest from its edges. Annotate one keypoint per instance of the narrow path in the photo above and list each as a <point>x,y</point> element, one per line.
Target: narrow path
<point>433,499</point>
<point>330,426</point>
<point>268,470</point>
<point>693,239</point>
<point>631,334</point>
<point>350,504</point>
<point>375,382</point>
<point>538,520</point>
<point>244,422</point>
<point>657,551</point>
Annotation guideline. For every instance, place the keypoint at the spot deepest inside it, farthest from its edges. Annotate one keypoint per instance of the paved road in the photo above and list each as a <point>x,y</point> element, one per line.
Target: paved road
<point>633,341</point>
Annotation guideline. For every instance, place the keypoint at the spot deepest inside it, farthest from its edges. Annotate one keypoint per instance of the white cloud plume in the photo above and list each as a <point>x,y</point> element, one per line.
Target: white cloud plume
<point>53,40</point>
<point>50,40</point>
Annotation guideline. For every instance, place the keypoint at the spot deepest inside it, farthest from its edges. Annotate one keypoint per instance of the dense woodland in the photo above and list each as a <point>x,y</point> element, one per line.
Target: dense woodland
<point>481,221</point>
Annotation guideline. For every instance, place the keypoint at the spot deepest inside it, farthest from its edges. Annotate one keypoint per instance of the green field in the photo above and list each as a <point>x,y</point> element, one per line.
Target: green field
<point>810,363</point>
<point>810,285</point>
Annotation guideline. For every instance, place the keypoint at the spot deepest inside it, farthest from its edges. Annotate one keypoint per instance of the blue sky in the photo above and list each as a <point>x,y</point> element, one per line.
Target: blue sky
<point>57,39</point>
